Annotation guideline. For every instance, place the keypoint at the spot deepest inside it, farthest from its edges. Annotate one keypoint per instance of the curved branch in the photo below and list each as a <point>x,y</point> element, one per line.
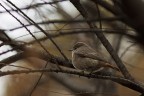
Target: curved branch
<point>120,80</point>
<point>104,41</point>
<point>37,26</point>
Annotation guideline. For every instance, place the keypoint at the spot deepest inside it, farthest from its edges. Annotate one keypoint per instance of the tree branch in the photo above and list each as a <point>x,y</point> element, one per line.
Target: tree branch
<point>105,42</point>
<point>122,81</point>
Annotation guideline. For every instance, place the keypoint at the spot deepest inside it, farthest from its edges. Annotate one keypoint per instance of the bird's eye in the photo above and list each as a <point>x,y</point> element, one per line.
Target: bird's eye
<point>77,46</point>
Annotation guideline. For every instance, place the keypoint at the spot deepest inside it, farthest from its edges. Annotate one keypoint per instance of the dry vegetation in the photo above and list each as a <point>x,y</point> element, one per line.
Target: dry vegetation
<point>35,60</point>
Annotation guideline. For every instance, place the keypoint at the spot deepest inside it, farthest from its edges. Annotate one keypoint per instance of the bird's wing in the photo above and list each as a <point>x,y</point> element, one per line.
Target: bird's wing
<point>92,56</point>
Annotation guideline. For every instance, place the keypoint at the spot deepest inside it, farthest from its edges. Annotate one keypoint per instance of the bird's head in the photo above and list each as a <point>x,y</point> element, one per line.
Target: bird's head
<point>78,45</point>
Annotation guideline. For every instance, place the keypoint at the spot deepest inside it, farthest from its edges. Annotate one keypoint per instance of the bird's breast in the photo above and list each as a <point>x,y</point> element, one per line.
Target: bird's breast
<point>84,63</point>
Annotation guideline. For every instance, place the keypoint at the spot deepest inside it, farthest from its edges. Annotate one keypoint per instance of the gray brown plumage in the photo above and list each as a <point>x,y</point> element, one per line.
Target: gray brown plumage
<point>86,58</point>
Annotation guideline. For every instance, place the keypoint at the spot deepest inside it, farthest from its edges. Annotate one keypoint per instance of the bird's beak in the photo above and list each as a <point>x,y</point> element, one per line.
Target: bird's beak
<point>70,50</point>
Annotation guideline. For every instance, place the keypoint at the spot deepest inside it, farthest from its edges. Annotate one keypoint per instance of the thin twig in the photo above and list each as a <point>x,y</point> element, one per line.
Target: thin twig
<point>109,19</point>
<point>105,42</point>
<point>37,82</point>
<point>37,26</point>
<point>79,31</point>
<point>30,33</point>
<point>113,10</point>
<point>124,52</point>
<point>125,82</point>
<point>35,6</point>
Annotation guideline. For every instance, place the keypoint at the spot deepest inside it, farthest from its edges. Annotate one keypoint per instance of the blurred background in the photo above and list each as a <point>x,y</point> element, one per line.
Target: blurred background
<point>65,26</point>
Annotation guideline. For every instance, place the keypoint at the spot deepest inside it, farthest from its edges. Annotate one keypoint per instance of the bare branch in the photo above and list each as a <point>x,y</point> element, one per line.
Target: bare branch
<point>105,42</point>
<point>117,79</point>
<point>37,26</point>
<point>35,6</point>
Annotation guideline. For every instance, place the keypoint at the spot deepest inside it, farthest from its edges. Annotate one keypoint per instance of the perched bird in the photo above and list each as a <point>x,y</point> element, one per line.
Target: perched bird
<point>87,59</point>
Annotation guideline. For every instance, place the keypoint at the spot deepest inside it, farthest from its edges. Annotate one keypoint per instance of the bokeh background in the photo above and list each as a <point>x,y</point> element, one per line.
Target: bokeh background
<point>50,15</point>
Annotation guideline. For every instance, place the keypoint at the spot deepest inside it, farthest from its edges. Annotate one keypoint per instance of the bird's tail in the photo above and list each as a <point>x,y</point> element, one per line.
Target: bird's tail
<point>113,67</point>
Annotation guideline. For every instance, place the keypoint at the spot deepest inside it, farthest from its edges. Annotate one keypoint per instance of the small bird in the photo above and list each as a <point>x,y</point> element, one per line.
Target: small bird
<point>87,59</point>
